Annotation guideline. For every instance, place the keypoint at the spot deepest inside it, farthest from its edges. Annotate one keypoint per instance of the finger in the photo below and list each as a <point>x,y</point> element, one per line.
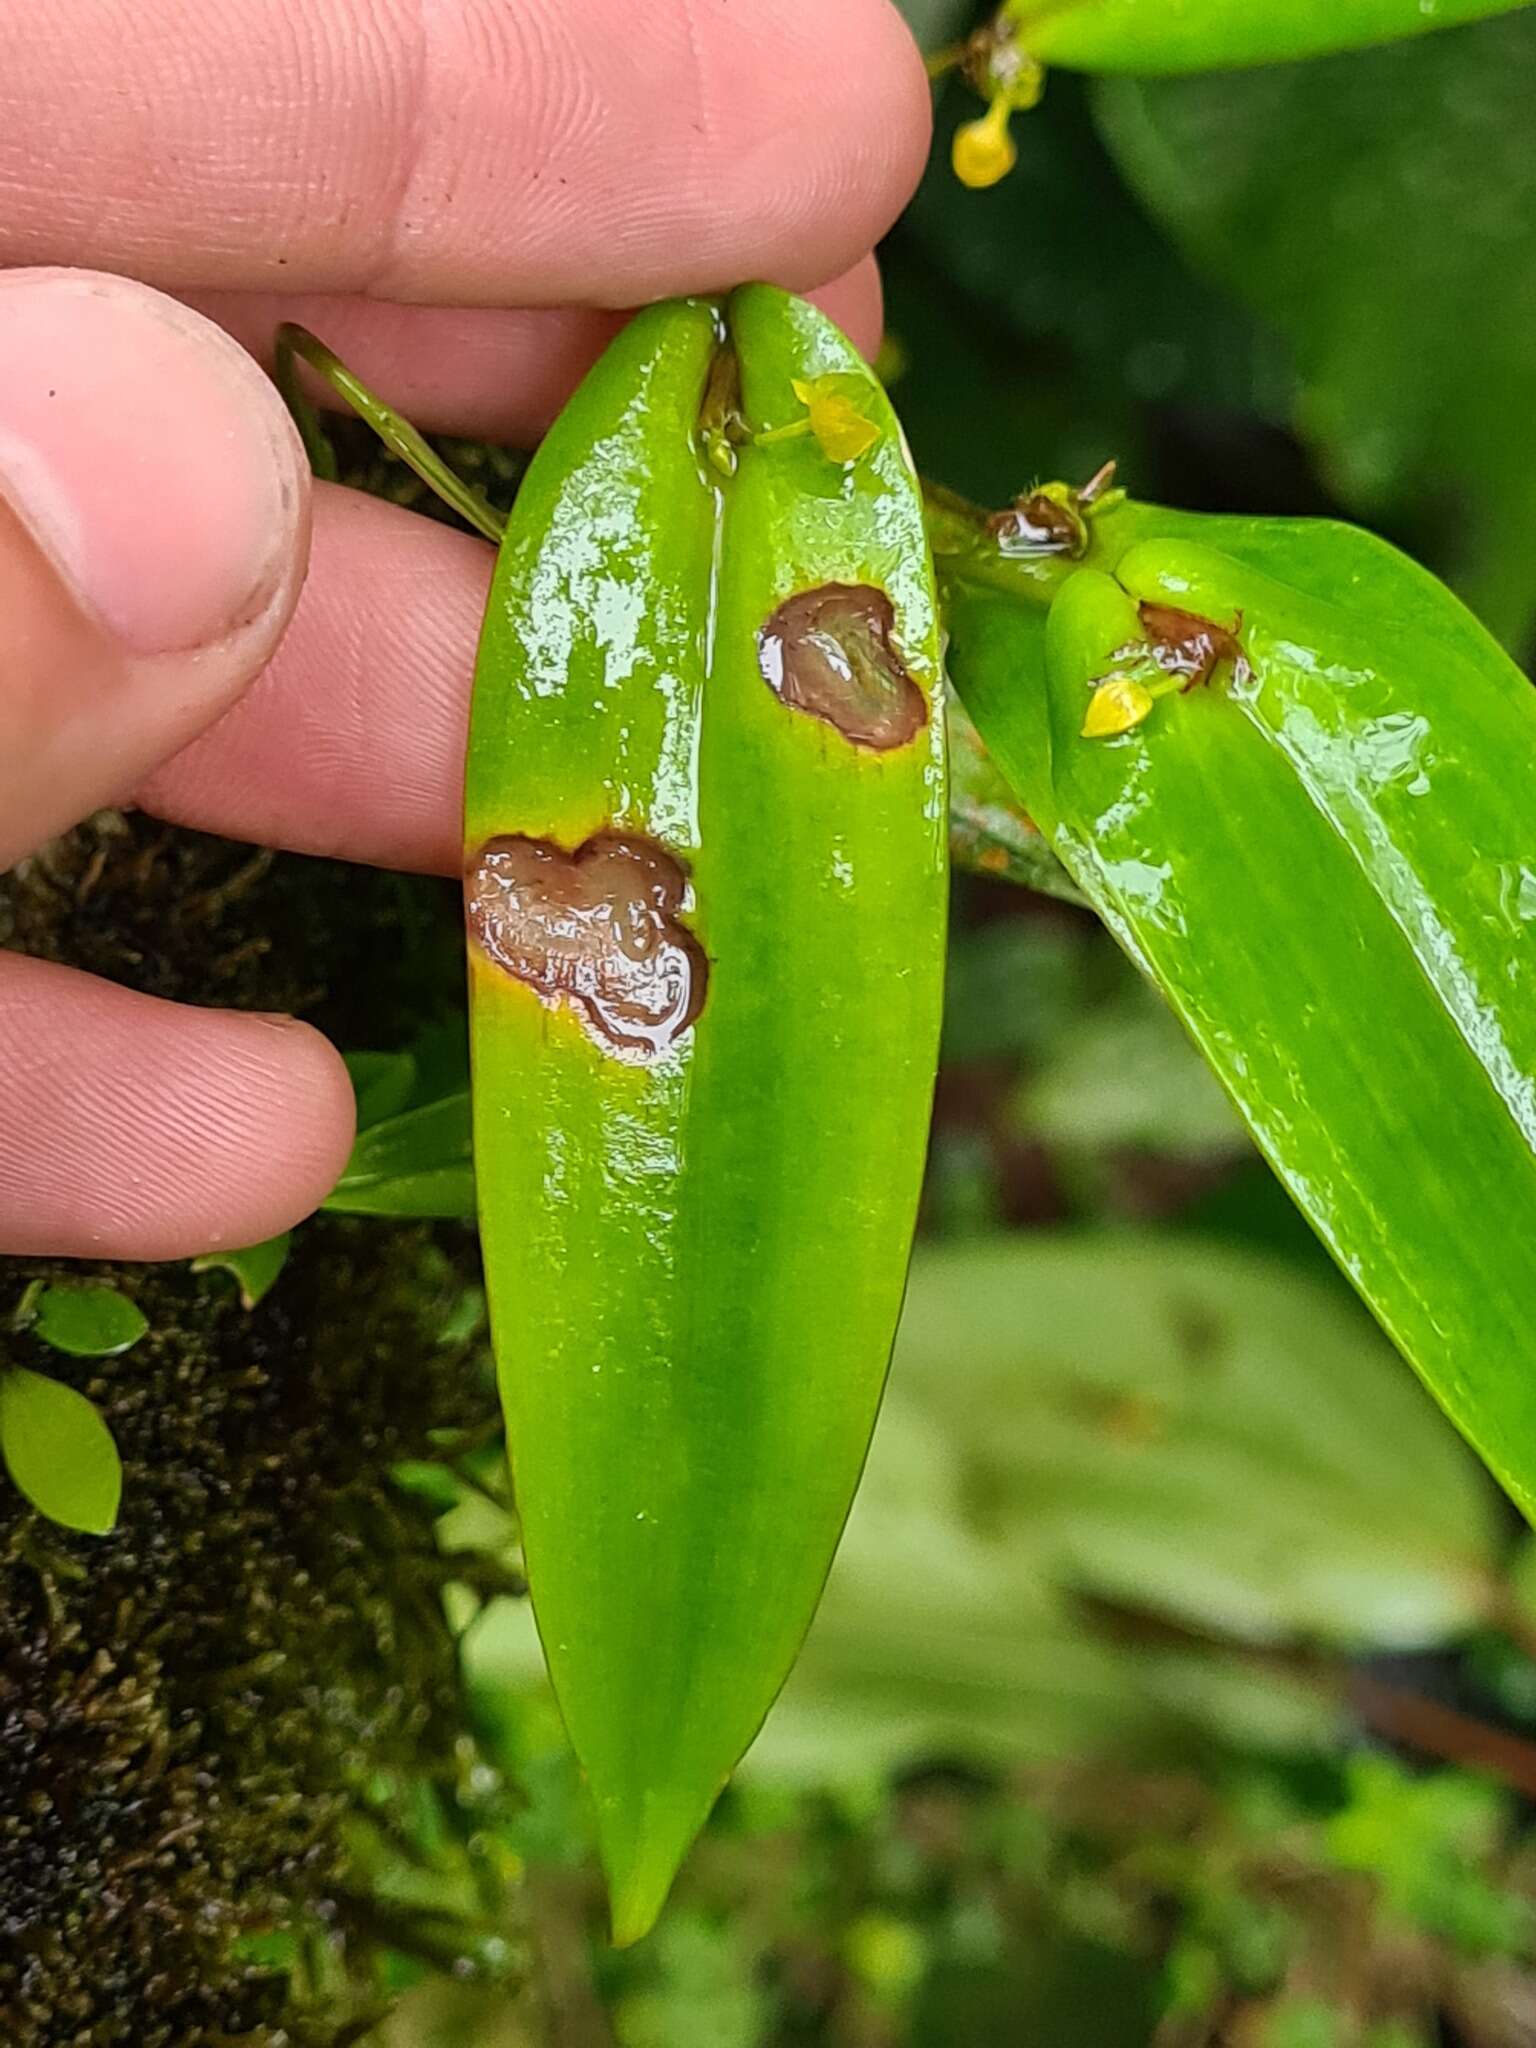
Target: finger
<point>502,374</point>
<point>154,518</point>
<point>352,741</point>
<point>478,153</point>
<point>136,1129</point>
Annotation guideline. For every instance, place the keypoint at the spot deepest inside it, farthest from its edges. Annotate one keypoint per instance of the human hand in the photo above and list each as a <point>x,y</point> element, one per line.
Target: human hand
<point>457,198</point>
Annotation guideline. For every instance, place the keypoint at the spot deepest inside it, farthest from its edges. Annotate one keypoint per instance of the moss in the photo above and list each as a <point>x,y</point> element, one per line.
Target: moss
<point>369,957</point>
<point>210,1719</point>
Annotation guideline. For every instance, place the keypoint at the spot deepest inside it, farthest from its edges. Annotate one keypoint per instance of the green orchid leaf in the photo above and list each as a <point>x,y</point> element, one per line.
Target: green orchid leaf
<point>254,1268</point>
<point>1152,36</point>
<point>419,1163</point>
<point>59,1452</point>
<point>1307,815</point>
<point>1375,211</point>
<point>87,1321</point>
<point>706,883</point>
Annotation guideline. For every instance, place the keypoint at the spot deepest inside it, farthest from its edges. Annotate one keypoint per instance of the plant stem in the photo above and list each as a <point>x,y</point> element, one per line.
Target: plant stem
<point>397,434</point>
<point>1442,1732</point>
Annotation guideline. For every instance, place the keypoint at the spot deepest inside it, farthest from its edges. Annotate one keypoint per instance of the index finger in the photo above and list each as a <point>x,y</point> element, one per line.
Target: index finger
<point>488,152</point>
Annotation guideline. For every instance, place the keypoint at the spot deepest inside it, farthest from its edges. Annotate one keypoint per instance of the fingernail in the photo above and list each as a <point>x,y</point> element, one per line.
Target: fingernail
<point>147,456</point>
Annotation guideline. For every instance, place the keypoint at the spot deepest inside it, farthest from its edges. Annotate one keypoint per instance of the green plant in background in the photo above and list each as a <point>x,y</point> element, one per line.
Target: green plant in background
<point>59,1452</point>
<point>1401,179</point>
<point>231,1728</point>
<point>87,1321</point>
<point>417,1162</point>
<point>1005,60</point>
<point>54,1443</point>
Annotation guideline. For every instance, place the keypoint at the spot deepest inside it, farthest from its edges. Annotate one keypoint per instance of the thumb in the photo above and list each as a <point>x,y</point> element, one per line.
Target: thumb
<point>154,531</point>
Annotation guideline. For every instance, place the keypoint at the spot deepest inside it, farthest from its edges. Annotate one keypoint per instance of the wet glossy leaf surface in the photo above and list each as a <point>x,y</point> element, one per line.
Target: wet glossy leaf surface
<point>1322,867</point>
<point>705,833</point>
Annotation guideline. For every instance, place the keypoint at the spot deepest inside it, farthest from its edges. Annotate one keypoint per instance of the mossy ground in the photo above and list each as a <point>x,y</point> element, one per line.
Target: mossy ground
<point>197,1712</point>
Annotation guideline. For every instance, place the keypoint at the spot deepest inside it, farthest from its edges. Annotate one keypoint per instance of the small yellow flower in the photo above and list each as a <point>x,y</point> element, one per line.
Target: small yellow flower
<point>983,151</point>
<point>1117,704</point>
<point>842,432</point>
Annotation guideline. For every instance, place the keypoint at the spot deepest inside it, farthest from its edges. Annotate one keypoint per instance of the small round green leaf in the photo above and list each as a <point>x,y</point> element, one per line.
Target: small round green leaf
<point>59,1452</point>
<point>90,1321</point>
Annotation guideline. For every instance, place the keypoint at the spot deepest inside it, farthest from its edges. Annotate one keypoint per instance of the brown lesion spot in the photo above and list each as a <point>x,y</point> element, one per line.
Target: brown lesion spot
<point>599,928</point>
<point>1186,645</point>
<point>831,652</point>
<point>1037,525</point>
<point>1052,519</point>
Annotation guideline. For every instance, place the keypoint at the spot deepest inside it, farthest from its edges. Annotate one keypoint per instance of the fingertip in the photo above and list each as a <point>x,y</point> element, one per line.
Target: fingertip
<point>317,1117</point>
<point>905,103</point>
<point>138,1129</point>
<point>777,141</point>
<point>151,461</point>
<point>265,1120</point>
<point>242,1139</point>
<point>154,528</point>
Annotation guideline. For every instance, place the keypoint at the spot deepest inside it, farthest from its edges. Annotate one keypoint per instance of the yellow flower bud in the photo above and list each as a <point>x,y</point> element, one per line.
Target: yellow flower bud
<point>1118,703</point>
<point>983,151</point>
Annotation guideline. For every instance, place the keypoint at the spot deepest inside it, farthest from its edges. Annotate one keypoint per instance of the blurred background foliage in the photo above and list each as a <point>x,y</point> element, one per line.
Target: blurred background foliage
<point>1175,1686</point>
